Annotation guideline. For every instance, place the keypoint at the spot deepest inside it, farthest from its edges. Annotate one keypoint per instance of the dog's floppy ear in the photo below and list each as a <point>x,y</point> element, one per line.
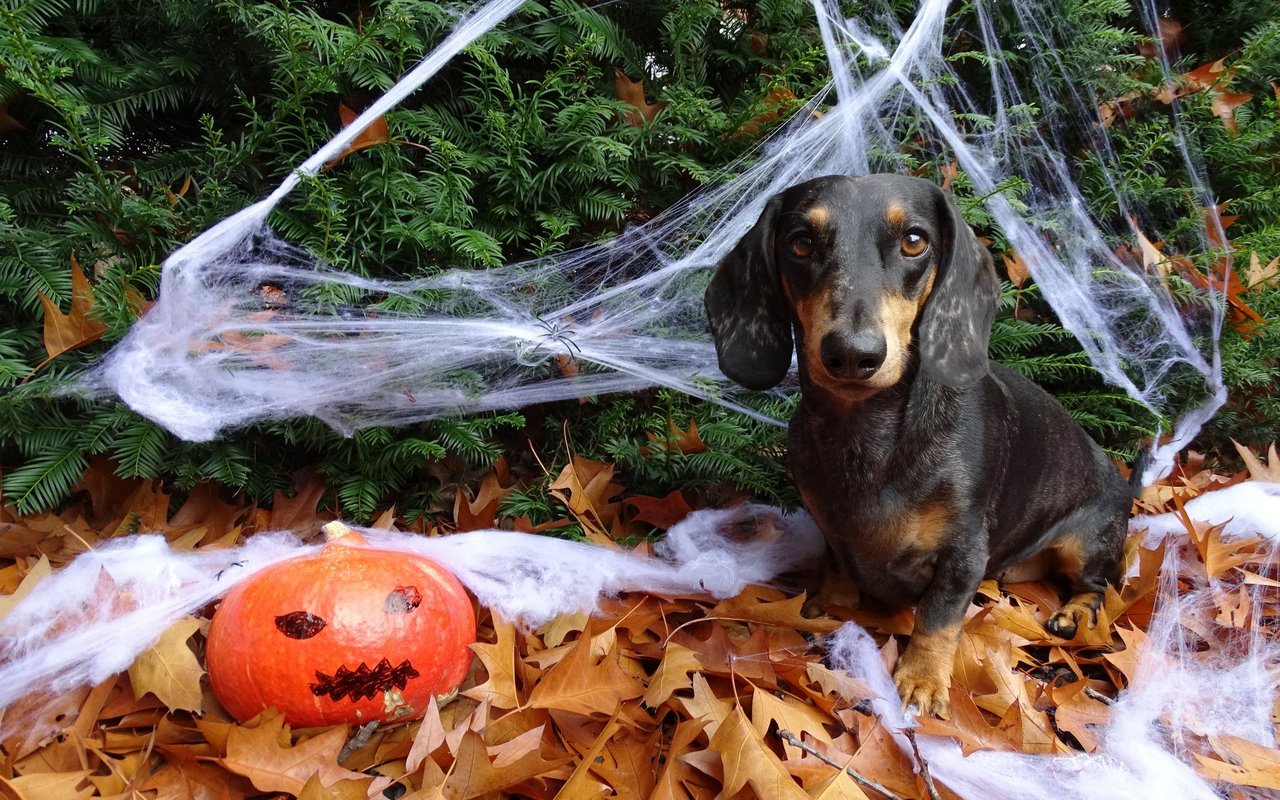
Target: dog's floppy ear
<point>955,325</point>
<point>749,321</point>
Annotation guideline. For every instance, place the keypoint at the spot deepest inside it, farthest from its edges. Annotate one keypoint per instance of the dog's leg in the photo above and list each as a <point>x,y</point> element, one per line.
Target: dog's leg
<point>923,673</point>
<point>1088,563</point>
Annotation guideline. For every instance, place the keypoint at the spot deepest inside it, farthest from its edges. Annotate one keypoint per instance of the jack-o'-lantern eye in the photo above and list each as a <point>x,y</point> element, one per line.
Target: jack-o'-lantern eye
<point>913,244</point>
<point>300,624</point>
<point>801,246</point>
<point>402,600</point>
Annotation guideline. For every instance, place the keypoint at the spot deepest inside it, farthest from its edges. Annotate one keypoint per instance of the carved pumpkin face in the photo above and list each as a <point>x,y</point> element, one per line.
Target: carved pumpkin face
<point>348,634</point>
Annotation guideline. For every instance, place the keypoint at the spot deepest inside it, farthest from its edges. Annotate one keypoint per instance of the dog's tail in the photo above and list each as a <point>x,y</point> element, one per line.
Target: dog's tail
<point>1138,469</point>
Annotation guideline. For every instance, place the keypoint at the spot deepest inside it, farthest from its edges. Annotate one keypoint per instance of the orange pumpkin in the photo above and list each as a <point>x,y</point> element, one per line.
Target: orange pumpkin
<point>348,634</point>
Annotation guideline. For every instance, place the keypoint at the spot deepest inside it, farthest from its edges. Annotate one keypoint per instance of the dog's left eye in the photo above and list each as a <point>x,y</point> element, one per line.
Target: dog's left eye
<point>914,244</point>
<point>801,246</point>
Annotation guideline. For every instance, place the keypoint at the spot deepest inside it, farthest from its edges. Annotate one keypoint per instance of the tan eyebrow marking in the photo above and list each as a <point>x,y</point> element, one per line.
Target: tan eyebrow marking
<point>818,216</point>
<point>896,215</point>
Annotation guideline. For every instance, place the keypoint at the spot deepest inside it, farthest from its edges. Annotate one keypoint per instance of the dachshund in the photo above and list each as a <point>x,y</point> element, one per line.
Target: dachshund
<point>927,466</point>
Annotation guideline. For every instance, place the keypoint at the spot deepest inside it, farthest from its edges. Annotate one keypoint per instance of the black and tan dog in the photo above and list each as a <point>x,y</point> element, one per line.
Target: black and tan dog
<point>927,466</point>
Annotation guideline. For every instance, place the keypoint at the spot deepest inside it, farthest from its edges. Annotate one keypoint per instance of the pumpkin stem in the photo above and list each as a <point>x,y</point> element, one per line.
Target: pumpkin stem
<point>339,533</point>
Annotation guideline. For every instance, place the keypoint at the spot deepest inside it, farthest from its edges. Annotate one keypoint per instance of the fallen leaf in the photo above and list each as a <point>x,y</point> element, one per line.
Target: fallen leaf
<point>376,133</point>
<point>1016,268</point>
<point>1250,764</point>
<point>662,512</point>
<point>578,685</point>
<point>169,669</point>
<point>263,755</point>
<point>498,659</point>
<point>1269,472</point>
<point>75,329</point>
<point>749,762</point>
<point>632,92</point>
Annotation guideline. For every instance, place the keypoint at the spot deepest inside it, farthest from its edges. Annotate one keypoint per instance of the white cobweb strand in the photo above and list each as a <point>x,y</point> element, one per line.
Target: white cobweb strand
<point>216,352</point>
<point>92,618</point>
<point>1146,749</point>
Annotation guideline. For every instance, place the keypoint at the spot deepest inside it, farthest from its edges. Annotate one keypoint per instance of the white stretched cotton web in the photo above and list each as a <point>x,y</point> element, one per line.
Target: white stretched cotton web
<point>1190,685</point>
<point>248,327</point>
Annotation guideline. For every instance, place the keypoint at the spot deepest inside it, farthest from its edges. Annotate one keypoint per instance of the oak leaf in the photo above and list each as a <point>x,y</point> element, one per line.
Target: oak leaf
<point>705,706</point>
<point>1016,269</point>
<point>672,674</point>
<point>586,488</point>
<point>1247,764</point>
<point>273,765</point>
<point>749,762</point>
<point>660,512</point>
<point>767,606</point>
<point>63,332</point>
<point>789,714</point>
<point>169,669</point>
<point>581,685</point>
<point>377,133</point>
<point>676,773</point>
<point>1259,471</point>
<point>632,92</point>
<point>475,775</point>
<point>49,786</point>
<point>499,660</point>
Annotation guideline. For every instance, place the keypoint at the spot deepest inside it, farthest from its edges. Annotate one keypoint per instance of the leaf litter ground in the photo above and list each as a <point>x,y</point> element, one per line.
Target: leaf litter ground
<point>654,697</point>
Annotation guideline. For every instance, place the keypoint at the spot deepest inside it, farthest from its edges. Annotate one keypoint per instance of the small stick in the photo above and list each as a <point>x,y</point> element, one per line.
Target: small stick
<point>924,766</point>
<point>793,740</point>
<point>1097,695</point>
<point>359,740</point>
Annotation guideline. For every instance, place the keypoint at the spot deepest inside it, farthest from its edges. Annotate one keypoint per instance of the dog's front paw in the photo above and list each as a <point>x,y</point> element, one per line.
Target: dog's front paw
<point>1080,610</point>
<point>925,685</point>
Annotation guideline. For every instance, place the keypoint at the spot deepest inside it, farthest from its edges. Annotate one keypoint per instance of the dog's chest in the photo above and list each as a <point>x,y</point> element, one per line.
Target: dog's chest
<point>879,509</point>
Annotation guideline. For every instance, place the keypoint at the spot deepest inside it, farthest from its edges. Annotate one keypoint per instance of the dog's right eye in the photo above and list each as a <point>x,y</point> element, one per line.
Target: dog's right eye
<point>801,246</point>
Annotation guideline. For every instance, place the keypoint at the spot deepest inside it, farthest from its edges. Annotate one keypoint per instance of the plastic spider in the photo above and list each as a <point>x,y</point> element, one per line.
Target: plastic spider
<point>557,332</point>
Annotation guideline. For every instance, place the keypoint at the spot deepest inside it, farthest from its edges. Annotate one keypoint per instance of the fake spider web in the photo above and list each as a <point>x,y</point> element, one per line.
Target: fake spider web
<point>217,352</point>
<point>246,327</point>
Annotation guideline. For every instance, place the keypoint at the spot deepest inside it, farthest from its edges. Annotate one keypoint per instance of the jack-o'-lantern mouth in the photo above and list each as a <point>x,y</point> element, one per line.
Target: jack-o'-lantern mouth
<point>363,682</point>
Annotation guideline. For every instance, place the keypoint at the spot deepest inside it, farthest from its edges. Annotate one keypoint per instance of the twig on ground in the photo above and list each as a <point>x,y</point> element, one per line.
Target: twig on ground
<point>793,740</point>
<point>924,766</point>
<point>1099,696</point>
<point>359,740</point>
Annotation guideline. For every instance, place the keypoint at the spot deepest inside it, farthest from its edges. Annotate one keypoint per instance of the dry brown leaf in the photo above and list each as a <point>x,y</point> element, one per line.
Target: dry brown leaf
<point>1257,276</point>
<point>790,714</point>
<point>676,773</point>
<point>377,133</point>
<point>49,786</point>
<point>672,674</point>
<point>586,488</point>
<point>1016,268</point>
<point>264,755</point>
<point>770,607</point>
<point>41,570</point>
<point>1126,660</point>
<point>578,685</point>
<point>747,761</point>
<point>169,669</point>
<point>661,512</point>
<point>705,707</point>
<point>75,329</point>
<point>499,660</point>
<point>481,513</point>
<point>632,92</point>
<point>474,775</point>
<point>1269,471</point>
<point>1247,763</point>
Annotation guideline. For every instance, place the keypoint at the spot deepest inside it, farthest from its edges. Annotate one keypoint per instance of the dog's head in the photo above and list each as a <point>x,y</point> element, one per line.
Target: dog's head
<point>862,268</point>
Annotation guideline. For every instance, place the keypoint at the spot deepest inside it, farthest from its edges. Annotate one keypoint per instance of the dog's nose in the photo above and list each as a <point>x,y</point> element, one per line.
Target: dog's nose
<point>853,355</point>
